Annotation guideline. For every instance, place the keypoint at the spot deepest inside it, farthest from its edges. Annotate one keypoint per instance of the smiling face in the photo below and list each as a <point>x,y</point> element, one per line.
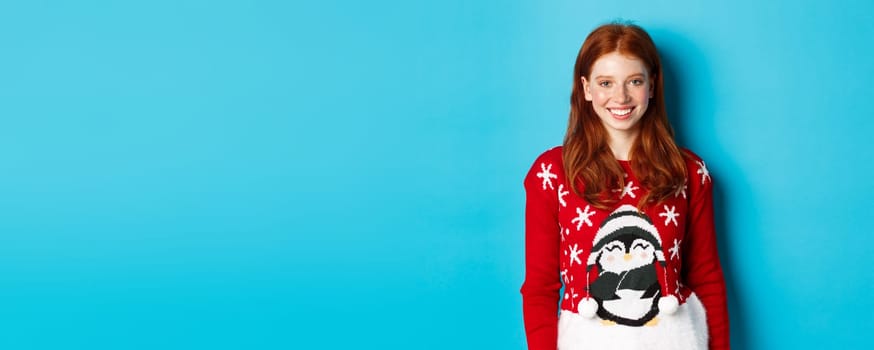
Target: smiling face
<point>621,255</point>
<point>619,88</point>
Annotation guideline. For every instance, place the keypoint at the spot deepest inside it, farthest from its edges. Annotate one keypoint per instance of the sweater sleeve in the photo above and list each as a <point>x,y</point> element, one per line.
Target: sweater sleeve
<point>540,290</point>
<point>703,271</point>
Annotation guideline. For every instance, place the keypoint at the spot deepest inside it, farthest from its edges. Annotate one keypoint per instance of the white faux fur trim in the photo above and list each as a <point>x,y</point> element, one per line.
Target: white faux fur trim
<point>686,329</point>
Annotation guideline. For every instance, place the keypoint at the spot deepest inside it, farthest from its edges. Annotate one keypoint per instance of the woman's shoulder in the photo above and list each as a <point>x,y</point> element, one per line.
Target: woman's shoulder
<point>546,168</point>
<point>551,154</point>
<point>689,155</point>
<point>551,157</point>
<point>696,167</point>
<point>693,160</point>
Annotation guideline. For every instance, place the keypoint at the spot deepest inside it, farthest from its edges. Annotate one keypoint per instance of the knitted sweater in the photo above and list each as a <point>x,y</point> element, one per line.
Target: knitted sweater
<point>631,280</point>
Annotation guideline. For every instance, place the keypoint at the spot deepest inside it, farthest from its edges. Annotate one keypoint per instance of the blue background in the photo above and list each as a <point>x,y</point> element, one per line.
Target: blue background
<point>344,174</point>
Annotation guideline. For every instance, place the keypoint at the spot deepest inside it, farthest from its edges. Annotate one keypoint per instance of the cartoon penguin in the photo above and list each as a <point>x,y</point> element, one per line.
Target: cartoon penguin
<point>627,289</point>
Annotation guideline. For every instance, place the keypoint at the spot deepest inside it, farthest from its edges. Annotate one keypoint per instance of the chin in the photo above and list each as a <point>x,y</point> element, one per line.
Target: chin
<point>625,125</point>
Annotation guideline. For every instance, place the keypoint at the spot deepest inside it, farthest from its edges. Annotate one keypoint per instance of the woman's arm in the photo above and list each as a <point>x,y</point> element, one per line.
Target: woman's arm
<point>701,266</point>
<point>540,291</point>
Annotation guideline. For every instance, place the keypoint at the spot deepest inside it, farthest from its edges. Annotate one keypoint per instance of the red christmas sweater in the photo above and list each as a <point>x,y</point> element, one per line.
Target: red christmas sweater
<point>632,280</point>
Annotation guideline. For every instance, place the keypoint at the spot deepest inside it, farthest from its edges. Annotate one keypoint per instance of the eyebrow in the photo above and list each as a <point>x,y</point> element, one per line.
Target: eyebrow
<point>635,75</point>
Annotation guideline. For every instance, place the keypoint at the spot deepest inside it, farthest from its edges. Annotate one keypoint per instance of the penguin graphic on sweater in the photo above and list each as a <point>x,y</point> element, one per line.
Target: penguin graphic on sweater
<point>627,290</point>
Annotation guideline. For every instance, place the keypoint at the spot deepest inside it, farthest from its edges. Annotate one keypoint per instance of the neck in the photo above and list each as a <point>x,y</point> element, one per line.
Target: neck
<point>620,144</point>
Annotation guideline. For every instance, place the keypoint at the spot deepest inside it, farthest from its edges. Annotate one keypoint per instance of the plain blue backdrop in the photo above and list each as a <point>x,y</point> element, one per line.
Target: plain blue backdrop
<point>348,174</point>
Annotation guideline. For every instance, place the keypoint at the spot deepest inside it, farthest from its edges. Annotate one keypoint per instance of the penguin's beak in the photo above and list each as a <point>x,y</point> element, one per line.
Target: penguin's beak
<point>627,257</point>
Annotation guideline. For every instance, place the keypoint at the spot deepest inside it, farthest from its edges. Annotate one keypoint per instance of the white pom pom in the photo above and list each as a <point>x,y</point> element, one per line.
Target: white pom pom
<point>587,307</point>
<point>668,305</point>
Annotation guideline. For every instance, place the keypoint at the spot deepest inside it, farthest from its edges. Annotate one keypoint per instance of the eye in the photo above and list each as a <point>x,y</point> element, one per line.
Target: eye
<point>611,248</point>
<point>605,83</point>
<point>637,82</point>
<point>640,245</point>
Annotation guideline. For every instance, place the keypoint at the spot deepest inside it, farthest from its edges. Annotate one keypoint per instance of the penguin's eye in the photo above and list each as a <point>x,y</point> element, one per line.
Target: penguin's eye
<point>613,247</point>
<point>640,245</point>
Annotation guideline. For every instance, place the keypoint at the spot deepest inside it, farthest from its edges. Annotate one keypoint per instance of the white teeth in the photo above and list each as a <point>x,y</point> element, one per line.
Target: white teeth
<point>620,111</point>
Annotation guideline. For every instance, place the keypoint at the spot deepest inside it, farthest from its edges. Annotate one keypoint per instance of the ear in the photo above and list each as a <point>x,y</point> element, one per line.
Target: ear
<point>652,81</point>
<point>586,92</point>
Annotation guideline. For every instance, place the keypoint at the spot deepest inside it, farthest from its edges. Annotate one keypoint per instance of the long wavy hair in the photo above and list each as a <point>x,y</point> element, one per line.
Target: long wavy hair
<point>655,158</point>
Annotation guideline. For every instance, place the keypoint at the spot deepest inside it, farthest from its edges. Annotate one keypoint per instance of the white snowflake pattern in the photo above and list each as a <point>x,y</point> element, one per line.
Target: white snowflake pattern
<point>546,175</point>
<point>564,232</point>
<point>575,254</point>
<point>561,195</point>
<point>571,295</point>
<point>670,215</point>
<point>681,190</point>
<point>564,276</point>
<point>677,290</point>
<point>628,190</point>
<point>679,285</point>
<point>702,169</point>
<point>675,250</point>
<point>583,216</point>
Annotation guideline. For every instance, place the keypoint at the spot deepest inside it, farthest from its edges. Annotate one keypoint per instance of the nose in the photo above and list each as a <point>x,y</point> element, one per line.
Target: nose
<point>621,93</point>
<point>627,257</point>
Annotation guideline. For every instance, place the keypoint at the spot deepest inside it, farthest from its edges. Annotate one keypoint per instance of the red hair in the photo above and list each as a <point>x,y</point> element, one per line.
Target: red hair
<point>655,159</point>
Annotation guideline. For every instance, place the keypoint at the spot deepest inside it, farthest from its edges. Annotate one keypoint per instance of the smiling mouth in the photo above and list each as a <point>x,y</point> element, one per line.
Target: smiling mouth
<point>620,112</point>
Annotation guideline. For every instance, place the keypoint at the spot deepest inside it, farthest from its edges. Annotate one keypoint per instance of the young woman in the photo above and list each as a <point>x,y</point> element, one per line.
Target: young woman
<point>621,217</point>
